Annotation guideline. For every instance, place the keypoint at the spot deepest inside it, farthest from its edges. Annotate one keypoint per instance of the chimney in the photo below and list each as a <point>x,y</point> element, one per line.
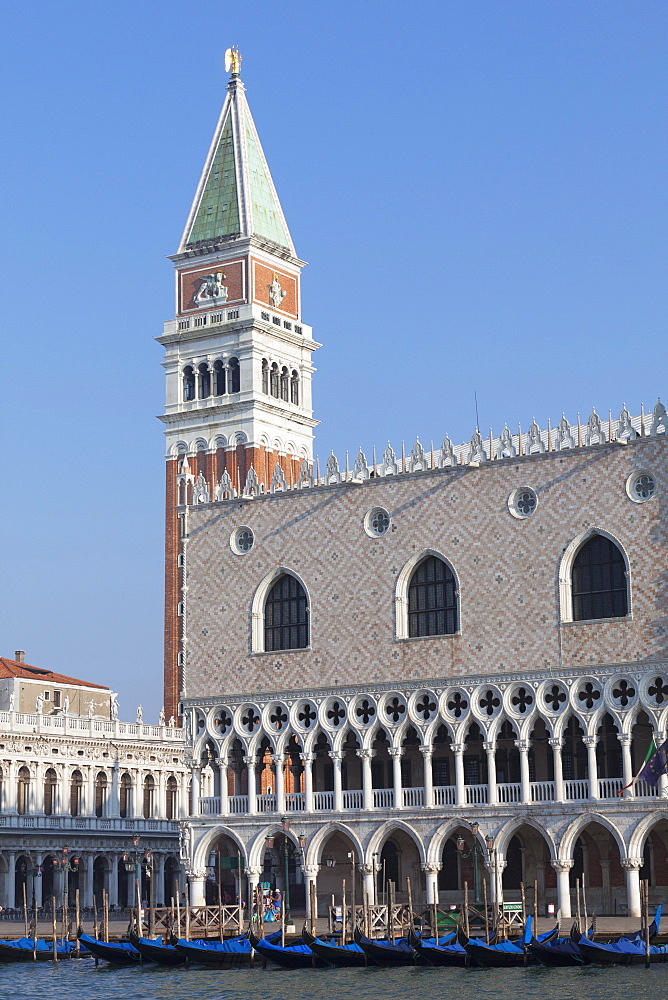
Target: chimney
<point>20,655</point>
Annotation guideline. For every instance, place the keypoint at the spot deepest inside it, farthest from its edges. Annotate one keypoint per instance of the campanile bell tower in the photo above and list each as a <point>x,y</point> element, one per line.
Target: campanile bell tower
<point>237,356</point>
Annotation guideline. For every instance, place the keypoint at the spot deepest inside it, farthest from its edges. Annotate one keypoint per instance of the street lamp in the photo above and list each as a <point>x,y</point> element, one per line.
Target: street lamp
<point>66,864</point>
<point>330,861</point>
<point>476,852</point>
<point>134,861</point>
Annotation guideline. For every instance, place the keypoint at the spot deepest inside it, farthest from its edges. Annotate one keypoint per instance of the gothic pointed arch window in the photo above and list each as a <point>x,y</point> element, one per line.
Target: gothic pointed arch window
<point>432,599</point>
<point>188,383</point>
<point>286,623</point>
<point>285,384</point>
<point>234,378</point>
<point>599,581</point>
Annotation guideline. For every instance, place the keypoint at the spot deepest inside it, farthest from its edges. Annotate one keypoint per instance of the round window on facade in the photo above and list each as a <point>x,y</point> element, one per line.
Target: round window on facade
<point>377,522</point>
<point>641,487</point>
<point>522,502</point>
<point>242,540</point>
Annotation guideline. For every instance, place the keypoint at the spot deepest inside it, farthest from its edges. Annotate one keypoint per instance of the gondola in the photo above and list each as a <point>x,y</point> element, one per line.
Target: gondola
<point>153,950</point>
<point>296,956</point>
<point>339,956</point>
<point>558,952</point>
<point>26,950</point>
<point>448,952</point>
<point>232,953</point>
<point>114,952</point>
<point>399,952</point>
<point>621,952</point>
<point>505,954</point>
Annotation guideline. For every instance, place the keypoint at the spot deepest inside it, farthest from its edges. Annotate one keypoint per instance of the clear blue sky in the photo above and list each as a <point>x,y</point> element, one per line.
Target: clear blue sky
<point>480,187</point>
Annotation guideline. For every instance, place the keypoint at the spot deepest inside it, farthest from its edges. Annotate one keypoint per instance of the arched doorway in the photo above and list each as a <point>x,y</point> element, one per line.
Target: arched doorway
<point>596,865</point>
<point>528,862</point>
<point>225,867</point>
<point>171,886</point>
<point>281,869</point>
<point>398,859</point>
<point>100,870</point>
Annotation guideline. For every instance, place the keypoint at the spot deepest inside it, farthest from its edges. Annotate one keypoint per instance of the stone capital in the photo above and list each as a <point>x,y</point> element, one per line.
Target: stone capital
<point>490,746</point>
<point>221,761</point>
<point>562,864</point>
<point>365,869</point>
<point>426,749</point>
<point>366,754</point>
<point>336,755</point>
<point>310,871</point>
<point>252,873</point>
<point>458,748</point>
<point>250,759</point>
<point>624,739</point>
<point>307,758</point>
<point>278,758</point>
<point>631,864</point>
<point>431,868</point>
<point>195,874</point>
<point>523,745</point>
<point>590,741</point>
<point>557,742</point>
<point>396,751</point>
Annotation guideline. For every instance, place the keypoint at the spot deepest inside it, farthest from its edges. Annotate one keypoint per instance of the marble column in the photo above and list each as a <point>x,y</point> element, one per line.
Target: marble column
<point>252,784</point>
<point>523,747</point>
<point>11,791</point>
<point>114,803</point>
<point>196,882</point>
<point>160,808</point>
<point>86,891</point>
<point>307,760</point>
<point>559,792</point>
<point>427,752</point>
<point>431,875</point>
<point>563,866</point>
<point>11,879</point>
<point>490,750</point>
<point>112,880</point>
<point>224,795</point>
<point>627,765</point>
<point>396,753</point>
<point>337,758</point>
<point>278,759</point>
<point>368,883</point>
<point>159,879</point>
<point>458,751</point>
<point>89,786</point>
<point>310,873</point>
<point>366,757</point>
<point>592,765</point>
<point>196,790</point>
<point>253,877</point>
<point>632,868</point>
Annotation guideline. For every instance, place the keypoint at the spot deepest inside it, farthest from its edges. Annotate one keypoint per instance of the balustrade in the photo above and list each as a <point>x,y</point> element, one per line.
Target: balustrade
<point>353,799</point>
<point>383,798</point>
<point>295,802</point>
<point>413,797</point>
<point>577,789</point>
<point>323,801</point>
<point>238,804</point>
<point>609,787</point>
<point>542,791</point>
<point>509,791</point>
<point>477,795</point>
<point>445,795</point>
<point>266,803</point>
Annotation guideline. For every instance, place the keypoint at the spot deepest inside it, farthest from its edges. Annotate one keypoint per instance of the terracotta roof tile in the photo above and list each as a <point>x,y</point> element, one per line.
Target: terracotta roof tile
<point>13,668</point>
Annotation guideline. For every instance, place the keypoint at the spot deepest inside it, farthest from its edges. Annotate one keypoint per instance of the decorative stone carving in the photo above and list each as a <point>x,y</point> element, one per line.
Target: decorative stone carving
<point>252,484</point>
<point>431,868</point>
<point>200,490</point>
<point>631,864</point>
<point>506,448</point>
<point>395,751</point>
<point>310,871</point>
<point>594,433</point>
<point>563,438</point>
<point>366,754</point>
<point>278,481</point>
<point>534,441</point>
<point>562,864</point>
<point>477,449</point>
<point>360,468</point>
<point>447,457</point>
<point>211,290</point>
<point>416,461</point>
<point>332,472</point>
<point>276,293</point>
<point>225,490</point>
<point>625,429</point>
<point>389,466</point>
<point>305,475</point>
<point>659,420</point>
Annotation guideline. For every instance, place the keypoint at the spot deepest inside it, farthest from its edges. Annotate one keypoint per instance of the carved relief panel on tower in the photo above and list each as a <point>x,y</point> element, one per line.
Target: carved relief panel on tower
<point>275,289</point>
<point>218,284</point>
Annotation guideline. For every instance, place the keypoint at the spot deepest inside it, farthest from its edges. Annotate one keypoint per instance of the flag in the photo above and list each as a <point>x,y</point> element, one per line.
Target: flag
<point>651,751</point>
<point>656,765</point>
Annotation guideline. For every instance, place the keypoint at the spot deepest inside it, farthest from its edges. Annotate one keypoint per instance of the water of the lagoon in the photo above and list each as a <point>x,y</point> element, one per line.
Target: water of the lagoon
<point>81,980</point>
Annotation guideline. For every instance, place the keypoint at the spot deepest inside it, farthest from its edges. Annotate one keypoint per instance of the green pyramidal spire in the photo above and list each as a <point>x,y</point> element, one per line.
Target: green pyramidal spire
<point>236,194</point>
